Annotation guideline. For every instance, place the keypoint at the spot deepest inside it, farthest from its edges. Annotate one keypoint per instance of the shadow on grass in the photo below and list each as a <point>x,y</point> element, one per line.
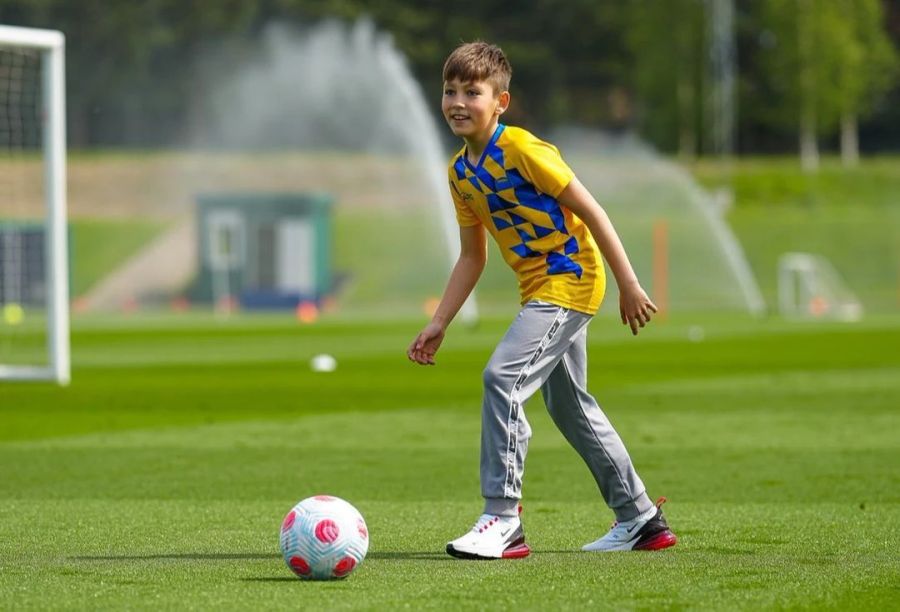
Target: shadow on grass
<point>397,555</point>
<point>412,556</point>
<point>179,556</point>
<point>390,556</point>
<point>403,555</point>
<point>379,555</point>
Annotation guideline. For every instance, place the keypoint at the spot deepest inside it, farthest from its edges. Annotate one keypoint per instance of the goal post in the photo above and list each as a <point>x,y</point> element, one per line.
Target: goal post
<point>49,47</point>
<point>809,287</point>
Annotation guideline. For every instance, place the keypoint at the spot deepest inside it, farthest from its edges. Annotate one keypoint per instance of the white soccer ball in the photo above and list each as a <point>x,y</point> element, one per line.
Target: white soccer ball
<point>323,363</point>
<point>323,537</point>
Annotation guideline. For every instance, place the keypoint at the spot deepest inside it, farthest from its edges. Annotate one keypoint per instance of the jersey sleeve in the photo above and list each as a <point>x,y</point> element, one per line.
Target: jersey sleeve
<point>543,166</point>
<point>465,216</point>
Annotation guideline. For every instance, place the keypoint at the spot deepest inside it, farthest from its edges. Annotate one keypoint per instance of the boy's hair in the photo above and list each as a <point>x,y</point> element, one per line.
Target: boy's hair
<point>479,61</point>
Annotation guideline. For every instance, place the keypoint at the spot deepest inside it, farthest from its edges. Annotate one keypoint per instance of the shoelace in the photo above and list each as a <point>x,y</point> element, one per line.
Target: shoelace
<point>484,522</point>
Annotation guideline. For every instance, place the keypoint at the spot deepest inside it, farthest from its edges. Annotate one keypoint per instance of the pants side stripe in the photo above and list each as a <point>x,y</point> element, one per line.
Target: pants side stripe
<point>512,419</point>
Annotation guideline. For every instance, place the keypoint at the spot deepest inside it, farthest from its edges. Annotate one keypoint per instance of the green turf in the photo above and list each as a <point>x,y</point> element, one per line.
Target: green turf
<point>159,478</point>
<point>849,215</point>
<point>394,269</point>
<point>99,246</point>
<point>781,181</point>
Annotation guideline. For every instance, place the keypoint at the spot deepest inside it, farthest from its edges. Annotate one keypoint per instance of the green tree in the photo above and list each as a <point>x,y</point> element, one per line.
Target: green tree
<point>795,63</point>
<point>830,61</point>
<point>128,64</point>
<point>665,39</point>
<point>865,69</point>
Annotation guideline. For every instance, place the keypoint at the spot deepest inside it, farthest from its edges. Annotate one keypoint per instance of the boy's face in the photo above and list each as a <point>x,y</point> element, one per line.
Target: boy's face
<point>472,108</point>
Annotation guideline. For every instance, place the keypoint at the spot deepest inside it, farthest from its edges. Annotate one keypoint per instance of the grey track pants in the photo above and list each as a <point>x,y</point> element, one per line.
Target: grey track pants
<point>546,348</point>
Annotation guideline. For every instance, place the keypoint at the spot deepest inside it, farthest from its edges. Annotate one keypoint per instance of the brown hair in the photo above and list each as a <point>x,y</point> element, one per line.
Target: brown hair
<point>479,61</point>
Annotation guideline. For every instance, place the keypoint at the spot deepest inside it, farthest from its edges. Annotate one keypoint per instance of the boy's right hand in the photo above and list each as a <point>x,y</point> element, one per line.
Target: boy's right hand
<point>635,306</point>
<point>426,344</point>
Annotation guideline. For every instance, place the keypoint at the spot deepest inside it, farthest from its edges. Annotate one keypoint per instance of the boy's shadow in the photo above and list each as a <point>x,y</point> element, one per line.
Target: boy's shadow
<point>402,555</point>
<point>178,556</point>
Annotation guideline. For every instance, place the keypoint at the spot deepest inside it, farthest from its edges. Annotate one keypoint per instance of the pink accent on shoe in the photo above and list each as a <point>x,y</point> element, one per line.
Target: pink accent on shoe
<point>664,539</point>
<point>488,524</point>
<point>517,552</point>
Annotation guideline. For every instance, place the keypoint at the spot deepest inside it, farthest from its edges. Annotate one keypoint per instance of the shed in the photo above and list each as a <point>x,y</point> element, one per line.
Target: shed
<point>264,250</point>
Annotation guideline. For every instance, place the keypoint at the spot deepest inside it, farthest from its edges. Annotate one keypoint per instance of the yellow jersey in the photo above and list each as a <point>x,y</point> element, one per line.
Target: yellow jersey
<point>513,191</point>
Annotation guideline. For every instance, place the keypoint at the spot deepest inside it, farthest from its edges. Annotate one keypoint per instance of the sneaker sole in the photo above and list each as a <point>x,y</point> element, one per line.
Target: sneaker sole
<point>663,539</point>
<point>515,551</point>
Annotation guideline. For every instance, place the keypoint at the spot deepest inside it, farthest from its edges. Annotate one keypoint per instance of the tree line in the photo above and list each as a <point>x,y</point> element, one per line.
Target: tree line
<point>805,72</point>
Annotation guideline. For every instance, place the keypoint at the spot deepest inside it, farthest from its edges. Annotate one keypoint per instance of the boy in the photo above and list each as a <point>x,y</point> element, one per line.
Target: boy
<point>551,232</point>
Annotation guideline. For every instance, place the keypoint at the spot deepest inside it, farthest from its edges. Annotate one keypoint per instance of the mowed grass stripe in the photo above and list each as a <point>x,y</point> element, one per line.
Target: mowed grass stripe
<point>224,372</point>
<point>163,486</point>
<point>137,554</point>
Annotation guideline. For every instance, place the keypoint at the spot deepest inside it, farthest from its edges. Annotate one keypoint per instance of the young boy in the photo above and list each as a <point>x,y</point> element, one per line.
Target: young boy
<point>551,232</point>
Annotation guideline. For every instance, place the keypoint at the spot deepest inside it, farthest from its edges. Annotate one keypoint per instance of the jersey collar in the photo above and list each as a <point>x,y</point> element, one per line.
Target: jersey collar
<point>491,142</point>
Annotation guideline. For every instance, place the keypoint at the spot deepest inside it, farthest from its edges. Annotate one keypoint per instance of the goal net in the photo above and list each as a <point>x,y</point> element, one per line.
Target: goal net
<point>810,288</point>
<point>34,326</point>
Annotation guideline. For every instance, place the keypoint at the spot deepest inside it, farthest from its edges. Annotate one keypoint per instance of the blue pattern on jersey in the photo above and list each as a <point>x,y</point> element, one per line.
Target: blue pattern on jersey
<point>560,264</point>
<point>522,250</point>
<point>542,231</point>
<point>524,235</point>
<point>516,219</point>
<point>528,197</point>
<point>496,203</point>
<point>460,168</point>
<point>486,178</point>
<point>500,223</point>
<point>495,152</point>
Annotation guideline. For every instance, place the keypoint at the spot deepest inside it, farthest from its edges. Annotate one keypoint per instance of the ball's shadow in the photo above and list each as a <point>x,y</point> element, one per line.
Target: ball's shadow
<point>382,556</point>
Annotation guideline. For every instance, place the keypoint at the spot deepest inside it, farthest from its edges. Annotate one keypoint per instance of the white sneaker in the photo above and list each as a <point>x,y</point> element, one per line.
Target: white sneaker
<point>649,531</point>
<point>492,537</point>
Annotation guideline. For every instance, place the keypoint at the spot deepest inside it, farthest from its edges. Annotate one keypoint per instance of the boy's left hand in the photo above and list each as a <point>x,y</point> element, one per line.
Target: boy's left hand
<point>635,306</point>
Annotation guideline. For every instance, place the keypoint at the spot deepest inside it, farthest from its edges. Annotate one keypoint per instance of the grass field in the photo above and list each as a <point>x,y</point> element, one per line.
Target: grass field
<point>99,246</point>
<point>849,215</point>
<point>160,477</point>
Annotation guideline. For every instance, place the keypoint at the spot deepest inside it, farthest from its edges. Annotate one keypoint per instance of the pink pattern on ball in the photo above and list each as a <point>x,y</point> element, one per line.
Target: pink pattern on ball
<point>327,531</point>
<point>300,566</point>
<point>344,567</point>
<point>288,520</point>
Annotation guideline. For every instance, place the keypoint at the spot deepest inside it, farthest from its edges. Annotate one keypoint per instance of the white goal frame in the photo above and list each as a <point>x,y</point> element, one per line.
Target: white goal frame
<point>809,287</point>
<point>51,44</point>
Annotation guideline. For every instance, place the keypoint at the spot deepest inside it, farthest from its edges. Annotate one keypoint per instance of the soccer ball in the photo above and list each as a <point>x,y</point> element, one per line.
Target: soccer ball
<point>323,363</point>
<point>323,537</point>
